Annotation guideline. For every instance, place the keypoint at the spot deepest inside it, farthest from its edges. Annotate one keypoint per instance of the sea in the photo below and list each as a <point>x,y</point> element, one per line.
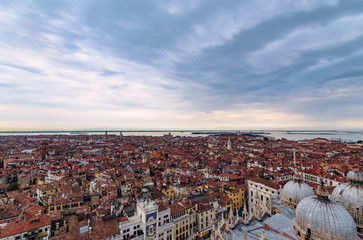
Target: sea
<point>344,136</point>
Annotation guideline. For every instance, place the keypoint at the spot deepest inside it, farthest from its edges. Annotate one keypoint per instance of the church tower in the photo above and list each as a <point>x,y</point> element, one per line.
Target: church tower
<point>229,144</point>
<point>43,150</point>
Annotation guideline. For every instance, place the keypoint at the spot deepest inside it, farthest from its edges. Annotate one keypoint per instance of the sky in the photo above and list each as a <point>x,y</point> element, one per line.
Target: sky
<point>188,64</point>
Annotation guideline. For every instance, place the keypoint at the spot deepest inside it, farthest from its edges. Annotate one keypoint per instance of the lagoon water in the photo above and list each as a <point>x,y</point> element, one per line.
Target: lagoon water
<point>347,136</point>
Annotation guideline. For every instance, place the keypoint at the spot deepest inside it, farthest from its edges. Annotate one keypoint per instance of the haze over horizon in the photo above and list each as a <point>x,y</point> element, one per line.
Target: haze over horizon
<point>196,65</point>
<point>352,130</point>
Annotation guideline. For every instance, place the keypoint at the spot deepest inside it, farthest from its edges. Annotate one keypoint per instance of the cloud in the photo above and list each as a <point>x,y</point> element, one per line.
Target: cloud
<point>224,23</point>
<point>286,51</point>
<point>44,118</point>
<point>177,7</point>
<point>181,64</point>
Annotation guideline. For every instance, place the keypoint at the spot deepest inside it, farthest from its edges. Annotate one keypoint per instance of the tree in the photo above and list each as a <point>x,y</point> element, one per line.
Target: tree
<point>13,186</point>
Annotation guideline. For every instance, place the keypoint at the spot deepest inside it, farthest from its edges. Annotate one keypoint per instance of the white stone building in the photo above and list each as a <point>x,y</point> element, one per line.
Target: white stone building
<point>149,222</point>
<point>261,191</point>
<point>317,179</point>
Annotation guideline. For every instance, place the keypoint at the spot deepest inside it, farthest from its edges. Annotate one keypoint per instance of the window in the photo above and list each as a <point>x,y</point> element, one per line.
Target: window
<point>40,230</point>
<point>151,231</point>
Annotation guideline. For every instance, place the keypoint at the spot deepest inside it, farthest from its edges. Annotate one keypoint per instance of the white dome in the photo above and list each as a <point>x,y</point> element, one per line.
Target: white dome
<point>296,190</point>
<point>350,195</point>
<point>355,176</point>
<point>323,218</point>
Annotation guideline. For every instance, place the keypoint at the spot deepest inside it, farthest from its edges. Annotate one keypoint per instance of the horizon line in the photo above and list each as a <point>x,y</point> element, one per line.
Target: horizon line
<point>177,130</point>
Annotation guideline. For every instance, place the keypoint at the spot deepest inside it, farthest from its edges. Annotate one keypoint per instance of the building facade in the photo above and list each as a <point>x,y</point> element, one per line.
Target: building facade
<point>261,191</point>
<point>149,222</point>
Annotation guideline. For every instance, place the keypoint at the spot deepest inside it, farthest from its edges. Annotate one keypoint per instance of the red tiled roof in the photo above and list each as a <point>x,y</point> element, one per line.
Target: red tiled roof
<point>268,183</point>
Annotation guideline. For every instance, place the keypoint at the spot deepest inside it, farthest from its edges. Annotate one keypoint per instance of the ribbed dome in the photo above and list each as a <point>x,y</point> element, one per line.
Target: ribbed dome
<point>323,218</point>
<point>355,176</point>
<point>296,190</point>
<point>350,195</point>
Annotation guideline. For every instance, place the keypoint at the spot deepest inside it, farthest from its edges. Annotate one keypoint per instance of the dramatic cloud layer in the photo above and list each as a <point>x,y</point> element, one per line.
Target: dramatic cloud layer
<point>181,64</point>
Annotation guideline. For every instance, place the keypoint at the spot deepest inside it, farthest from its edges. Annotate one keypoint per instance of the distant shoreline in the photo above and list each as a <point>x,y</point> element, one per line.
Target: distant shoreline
<point>194,131</point>
<point>340,135</point>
